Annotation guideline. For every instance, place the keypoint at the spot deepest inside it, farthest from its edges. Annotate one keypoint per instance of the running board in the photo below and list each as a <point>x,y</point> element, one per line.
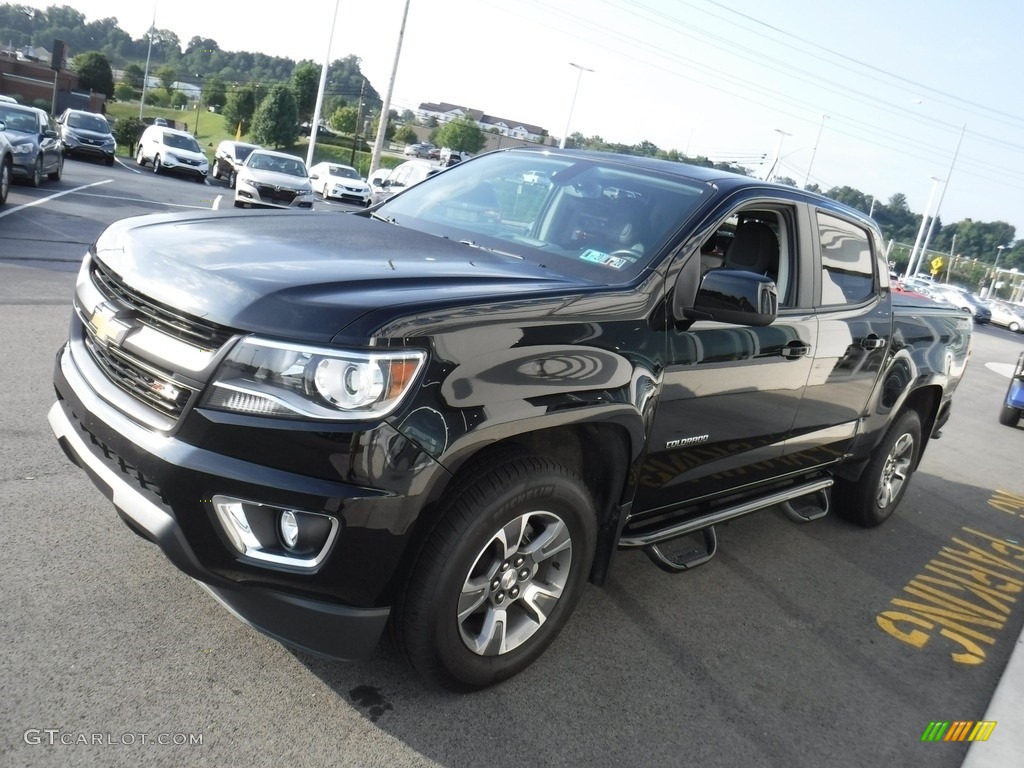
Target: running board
<point>807,508</point>
<point>691,557</point>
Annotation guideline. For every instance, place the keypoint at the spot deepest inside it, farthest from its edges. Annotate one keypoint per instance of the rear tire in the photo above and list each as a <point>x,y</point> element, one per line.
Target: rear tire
<point>1009,416</point>
<point>499,575</point>
<point>1015,327</point>
<point>140,158</point>
<point>872,499</point>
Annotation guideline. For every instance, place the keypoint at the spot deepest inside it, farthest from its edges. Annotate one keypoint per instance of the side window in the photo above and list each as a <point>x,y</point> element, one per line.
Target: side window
<point>756,240</point>
<point>847,276</point>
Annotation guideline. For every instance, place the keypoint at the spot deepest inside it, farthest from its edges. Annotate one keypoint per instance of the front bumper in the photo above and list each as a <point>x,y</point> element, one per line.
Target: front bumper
<point>154,481</point>
<point>73,148</point>
<point>249,195</point>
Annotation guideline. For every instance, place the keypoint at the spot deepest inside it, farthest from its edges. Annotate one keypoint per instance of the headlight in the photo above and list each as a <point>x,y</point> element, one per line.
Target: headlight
<point>23,149</point>
<point>246,181</point>
<point>270,378</point>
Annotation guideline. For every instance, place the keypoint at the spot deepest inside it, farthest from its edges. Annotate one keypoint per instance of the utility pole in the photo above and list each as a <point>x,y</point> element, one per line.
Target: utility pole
<point>359,117</point>
<point>382,124</point>
<point>945,186</point>
<point>320,90</point>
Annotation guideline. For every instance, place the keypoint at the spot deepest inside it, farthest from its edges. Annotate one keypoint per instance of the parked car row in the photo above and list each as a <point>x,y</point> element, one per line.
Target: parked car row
<point>1006,314</point>
<point>950,294</point>
<point>35,144</point>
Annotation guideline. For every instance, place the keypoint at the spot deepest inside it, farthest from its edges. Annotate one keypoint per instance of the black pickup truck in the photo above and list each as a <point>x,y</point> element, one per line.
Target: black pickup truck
<point>445,414</point>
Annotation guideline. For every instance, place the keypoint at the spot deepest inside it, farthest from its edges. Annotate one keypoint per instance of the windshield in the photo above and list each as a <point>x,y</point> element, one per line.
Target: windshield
<point>177,141</point>
<point>600,220</point>
<point>88,123</point>
<point>19,120</point>
<point>261,161</point>
<point>344,171</point>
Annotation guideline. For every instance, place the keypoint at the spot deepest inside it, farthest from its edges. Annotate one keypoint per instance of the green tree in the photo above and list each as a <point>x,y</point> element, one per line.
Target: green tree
<point>167,75</point>
<point>305,83</point>
<point>344,120</point>
<point>124,92</point>
<point>405,135</point>
<point>94,72</point>
<point>215,93</point>
<point>276,120</point>
<point>127,131</point>
<point>461,134</point>
<point>239,109</point>
<point>178,99</point>
<point>133,75</point>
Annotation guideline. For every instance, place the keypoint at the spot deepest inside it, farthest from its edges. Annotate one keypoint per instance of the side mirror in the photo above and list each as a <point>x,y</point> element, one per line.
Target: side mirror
<point>48,134</point>
<point>314,177</point>
<point>736,297</point>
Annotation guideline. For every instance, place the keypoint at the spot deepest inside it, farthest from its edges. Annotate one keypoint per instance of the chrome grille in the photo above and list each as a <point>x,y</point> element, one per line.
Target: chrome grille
<point>277,195</point>
<point>142,383</point>
<point>156,315</point>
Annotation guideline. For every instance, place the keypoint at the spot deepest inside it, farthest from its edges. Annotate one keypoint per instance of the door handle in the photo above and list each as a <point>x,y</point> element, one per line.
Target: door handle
<point>794,350</point>
<point>872,342</point>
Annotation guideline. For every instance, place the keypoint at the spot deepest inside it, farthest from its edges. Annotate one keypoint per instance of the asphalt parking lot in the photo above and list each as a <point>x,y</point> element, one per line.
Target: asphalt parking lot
<point>812,645</point>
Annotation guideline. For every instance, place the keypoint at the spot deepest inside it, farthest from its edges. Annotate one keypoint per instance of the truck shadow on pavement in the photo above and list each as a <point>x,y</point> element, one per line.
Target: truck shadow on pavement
<point>765,656</point>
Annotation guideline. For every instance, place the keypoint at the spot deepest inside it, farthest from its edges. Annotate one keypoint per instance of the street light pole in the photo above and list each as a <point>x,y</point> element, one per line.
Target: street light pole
<point>199,104</point>
<point>778,153</point>
<point>814,151</point>
<point>995,271</point>
<point>572,106</point>
<point>912,264</point>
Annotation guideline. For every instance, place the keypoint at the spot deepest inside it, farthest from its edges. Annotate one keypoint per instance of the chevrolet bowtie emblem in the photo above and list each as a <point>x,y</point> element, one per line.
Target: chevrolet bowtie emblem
<point>107,329</point>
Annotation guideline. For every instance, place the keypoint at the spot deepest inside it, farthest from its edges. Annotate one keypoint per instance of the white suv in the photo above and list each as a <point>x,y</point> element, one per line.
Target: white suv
<point>172,150</point>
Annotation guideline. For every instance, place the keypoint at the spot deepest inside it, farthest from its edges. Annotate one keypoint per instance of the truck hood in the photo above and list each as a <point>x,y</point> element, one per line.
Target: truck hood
<point>307,276</point>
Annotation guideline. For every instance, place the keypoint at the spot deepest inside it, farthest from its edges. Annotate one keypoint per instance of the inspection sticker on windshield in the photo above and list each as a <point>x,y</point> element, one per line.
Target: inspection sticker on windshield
<point>606,259</point>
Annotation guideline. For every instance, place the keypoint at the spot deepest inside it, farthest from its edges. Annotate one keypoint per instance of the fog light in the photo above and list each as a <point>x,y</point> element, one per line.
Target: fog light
<point>289,528</point>
<point>276,536</point>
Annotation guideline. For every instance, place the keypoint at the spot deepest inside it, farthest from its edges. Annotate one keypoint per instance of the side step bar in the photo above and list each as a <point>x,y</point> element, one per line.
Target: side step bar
<point>809,509</point>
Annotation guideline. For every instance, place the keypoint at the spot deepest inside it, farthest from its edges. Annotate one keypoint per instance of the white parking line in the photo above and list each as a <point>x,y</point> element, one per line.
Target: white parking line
<point>133,170</point>
<point>144,201</point>
<point>54,196</point>
<point>216,202</point>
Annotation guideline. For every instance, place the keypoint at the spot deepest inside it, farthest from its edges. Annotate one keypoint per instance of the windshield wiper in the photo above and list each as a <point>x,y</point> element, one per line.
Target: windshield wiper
<point>474,244</point>
<point>386,219</point>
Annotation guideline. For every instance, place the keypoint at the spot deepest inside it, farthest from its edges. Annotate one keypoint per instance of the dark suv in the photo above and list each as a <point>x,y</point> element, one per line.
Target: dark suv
<point>229,158</point>
<point>86,133</point>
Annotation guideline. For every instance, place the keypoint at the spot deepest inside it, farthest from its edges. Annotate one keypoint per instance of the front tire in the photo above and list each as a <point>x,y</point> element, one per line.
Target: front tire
<point>55,174</point>
<point>157,165</point>
<point>5,180</point>
<point>1009,416</point>
<point>37,172</point>
<point>872,499</point>
<point>231,180</point>
<point>499,575</point>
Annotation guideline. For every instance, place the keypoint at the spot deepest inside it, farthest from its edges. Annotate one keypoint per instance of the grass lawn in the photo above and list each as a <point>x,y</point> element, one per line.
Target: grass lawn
<point>213,130</point>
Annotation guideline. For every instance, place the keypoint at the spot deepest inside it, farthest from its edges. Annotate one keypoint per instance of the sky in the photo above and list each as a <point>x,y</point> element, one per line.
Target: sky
<point>880,96</point>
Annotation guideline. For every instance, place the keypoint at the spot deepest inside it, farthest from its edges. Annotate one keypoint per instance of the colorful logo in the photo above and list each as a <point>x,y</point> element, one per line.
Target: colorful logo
<point>958,730</point>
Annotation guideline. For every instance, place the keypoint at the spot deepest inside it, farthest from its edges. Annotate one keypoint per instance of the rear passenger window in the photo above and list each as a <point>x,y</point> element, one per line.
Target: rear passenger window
<point>847,275</point>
